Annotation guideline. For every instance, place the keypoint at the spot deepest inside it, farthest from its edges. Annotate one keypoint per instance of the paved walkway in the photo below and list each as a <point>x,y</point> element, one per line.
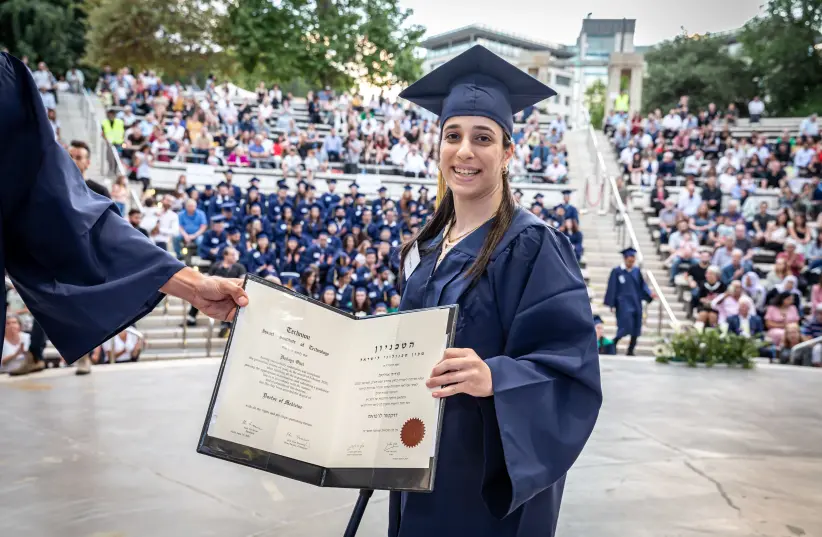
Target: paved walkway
<point>677,451</point>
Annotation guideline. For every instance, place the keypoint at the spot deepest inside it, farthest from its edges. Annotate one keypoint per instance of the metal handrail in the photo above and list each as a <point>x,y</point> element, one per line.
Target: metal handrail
<point>628,228</point>
<point>805,345</point>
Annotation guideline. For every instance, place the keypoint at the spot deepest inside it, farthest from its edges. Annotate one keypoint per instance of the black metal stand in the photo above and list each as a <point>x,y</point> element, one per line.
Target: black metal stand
<point>358,512</point>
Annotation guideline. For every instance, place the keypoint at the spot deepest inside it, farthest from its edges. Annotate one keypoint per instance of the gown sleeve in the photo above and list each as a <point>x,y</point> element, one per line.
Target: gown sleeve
<point>610,291</point>
<point>547,391</point>
<point>84,272</point>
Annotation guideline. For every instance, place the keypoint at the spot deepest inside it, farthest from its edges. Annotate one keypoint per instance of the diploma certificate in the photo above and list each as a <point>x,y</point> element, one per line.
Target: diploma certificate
<point>313,393</point>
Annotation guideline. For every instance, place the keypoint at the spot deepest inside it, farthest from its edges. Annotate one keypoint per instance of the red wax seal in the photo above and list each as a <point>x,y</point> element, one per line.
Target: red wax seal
<point>412,432</point>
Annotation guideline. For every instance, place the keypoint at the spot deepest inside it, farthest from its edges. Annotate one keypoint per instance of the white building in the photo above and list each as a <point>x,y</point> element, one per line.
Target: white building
<point>537,58</point>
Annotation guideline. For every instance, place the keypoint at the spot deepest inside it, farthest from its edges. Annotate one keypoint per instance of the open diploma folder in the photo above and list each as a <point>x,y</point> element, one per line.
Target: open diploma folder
<point>315,394</point>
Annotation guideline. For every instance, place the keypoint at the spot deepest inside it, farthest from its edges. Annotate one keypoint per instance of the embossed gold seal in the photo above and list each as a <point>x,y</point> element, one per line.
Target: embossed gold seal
<point>412,433</point>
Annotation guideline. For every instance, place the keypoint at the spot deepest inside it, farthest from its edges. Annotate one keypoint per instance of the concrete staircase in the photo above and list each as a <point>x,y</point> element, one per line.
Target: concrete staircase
<point>166,339</point>
<point>602,246</point>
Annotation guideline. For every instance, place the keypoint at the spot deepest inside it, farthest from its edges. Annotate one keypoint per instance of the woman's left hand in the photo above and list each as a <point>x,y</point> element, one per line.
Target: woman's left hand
<point>464,371</point>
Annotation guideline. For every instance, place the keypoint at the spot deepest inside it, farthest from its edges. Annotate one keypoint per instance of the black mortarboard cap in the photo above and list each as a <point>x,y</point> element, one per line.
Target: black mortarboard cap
<point>408,187</point>
<point>382,189</point>
<point>354,185</point>
<point>254,180</point>
<point>566,192</point>
<point>263,235</point>
<point>628,252</point>
<point>598,320</point>
<point>217,219</point>
<point>228,206</point>
<point>477,83</point>
<point>208,187</point>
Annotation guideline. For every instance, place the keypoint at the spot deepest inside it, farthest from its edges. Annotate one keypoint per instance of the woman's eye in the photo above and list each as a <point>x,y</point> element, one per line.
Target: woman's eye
<point>483,139</point>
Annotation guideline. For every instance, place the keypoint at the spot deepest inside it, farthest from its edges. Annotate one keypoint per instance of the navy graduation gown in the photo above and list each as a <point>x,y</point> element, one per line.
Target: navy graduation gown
<point>503,459</point>
<point>84,272</point>
<point>625,293</point>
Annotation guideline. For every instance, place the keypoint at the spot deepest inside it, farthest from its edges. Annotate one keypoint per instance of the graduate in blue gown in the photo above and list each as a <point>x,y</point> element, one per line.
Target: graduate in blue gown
<point>522,381</point>
<point>84,272</point>
<point>626,292</point>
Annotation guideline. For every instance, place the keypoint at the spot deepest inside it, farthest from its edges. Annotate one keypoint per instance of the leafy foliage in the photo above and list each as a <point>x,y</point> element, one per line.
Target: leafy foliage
<point>177,38</point>
<point>709,347</point>
<point>44,30</point>
<point>595,101</point>
<point>780,45</point>
<point>323,42</point>
<point>698,67</point>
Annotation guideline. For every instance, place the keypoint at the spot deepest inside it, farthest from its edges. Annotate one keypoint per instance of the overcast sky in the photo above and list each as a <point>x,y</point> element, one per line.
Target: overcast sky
<point>560,21</point>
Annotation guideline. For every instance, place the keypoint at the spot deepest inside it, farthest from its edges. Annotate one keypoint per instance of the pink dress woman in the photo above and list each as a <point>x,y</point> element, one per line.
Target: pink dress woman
<point>786,316</point>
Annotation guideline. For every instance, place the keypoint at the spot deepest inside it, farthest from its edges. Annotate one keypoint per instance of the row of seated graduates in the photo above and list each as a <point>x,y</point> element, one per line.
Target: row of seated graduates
<point>288,234</point>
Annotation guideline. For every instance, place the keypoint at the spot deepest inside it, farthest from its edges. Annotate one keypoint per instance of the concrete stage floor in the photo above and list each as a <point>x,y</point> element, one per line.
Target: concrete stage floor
<point>677,452</point>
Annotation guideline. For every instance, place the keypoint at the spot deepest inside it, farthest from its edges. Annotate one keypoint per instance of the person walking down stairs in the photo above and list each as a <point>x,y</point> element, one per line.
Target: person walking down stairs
<point>625,293</point>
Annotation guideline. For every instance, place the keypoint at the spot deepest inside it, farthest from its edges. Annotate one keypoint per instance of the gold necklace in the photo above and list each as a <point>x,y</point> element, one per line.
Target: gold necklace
<point>448,242</point>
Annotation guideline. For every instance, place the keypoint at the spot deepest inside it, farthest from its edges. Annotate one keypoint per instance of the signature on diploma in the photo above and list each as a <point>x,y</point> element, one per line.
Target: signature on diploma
<point>391,447</point>
<point>355,449</point>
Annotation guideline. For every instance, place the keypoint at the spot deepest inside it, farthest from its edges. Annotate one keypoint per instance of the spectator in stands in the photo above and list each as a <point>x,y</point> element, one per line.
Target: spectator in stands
<point>689,199</point>
<point>777,232</point>
<point>668,220</point>
<point>727,304</point>
<point>791,338</point>
<point>712,194</point>
<point>813,252</point>
<point>683,249</point>
<point>15,345</point>
<point>755,290</point>
<point>192,225</point>
<point>228,267</point>
<point>755,109</point>
<point>414,165</point>
<point>696,275</point>
<point>710,288</point>
<point>556,172</point>
<point>659,197</point>
<point>809,128</point>
<point>701,224</point>
<point>776,275</point>
<point>793,260</point>
<point>735,268</point>
<point>124,347</point>
<point>760,223</point>
<point>76,80</point>
<point>746,322</point>
<point>81,155</point>
<point>120,193</point>
<point>114,128</point>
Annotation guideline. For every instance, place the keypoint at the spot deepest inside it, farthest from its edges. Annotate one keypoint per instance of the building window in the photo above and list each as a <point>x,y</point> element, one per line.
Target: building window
<point>562,80</point>
<point>567,101</point>
<point>533,71</point>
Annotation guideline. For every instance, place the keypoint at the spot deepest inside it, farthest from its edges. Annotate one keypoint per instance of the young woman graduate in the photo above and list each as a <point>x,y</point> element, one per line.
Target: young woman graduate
<point>522,383</point>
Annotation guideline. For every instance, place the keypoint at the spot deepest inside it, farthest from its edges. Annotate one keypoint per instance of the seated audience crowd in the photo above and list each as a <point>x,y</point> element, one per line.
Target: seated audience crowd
<point>752,266</point>
<point>338,247</point>
<point>150,121</point>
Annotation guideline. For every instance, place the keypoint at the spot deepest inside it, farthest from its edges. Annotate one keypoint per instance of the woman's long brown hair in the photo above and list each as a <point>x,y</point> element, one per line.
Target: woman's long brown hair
<point>444,215</point>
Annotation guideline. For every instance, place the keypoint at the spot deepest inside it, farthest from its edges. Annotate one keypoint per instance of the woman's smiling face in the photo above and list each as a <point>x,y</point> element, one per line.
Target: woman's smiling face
<point>472,157</point>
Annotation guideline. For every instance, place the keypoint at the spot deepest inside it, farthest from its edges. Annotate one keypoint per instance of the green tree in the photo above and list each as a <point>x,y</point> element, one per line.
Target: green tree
<point>323,42</point>
<point>780,45</point>
<point>44,30</point>
<point>595,102</point>
<point>699,67</point>
<point>175,38</point>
